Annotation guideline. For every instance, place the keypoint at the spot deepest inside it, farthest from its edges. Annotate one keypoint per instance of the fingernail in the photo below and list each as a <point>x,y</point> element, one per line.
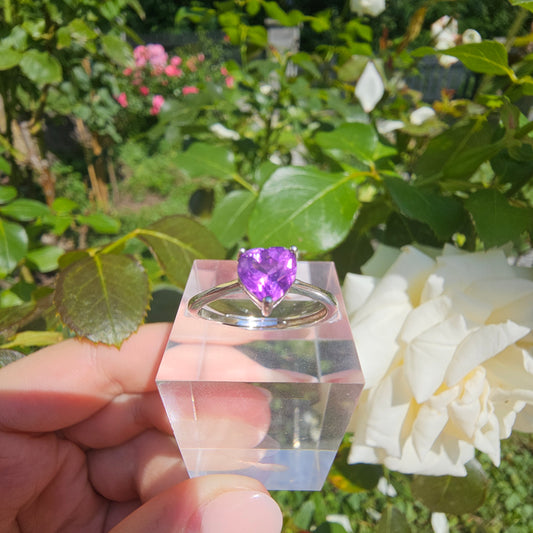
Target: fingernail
<point>241,511</point>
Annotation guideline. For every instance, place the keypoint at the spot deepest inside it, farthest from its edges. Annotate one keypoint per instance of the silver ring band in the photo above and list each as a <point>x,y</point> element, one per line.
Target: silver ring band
<point>219,304</point>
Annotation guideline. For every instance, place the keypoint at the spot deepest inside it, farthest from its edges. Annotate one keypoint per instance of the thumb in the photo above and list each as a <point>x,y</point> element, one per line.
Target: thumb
<point>207,504</point>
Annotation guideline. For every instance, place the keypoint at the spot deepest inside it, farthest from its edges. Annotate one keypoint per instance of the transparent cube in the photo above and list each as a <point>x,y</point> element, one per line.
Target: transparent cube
<point>270,404</point>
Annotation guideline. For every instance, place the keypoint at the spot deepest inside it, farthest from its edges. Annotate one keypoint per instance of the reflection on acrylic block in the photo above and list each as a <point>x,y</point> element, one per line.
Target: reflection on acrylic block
<point>270,404</point>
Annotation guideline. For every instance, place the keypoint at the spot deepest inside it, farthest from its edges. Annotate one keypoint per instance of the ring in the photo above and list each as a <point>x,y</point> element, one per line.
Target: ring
<point>265,276</point>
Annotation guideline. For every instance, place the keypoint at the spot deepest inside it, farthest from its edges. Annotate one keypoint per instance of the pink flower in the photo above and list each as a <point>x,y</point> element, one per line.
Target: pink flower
<point>157,104</point>
<point>140,55</point>
<point>175,60</point>
<point>127,71</point>
<point>122,99</point>
<point>172,71</point>
<point>144,90</point>
<point>190,89</point>
<point>201,57</point>
<point>224,71</point>
<point>156,55</point>
<point>230,82</point>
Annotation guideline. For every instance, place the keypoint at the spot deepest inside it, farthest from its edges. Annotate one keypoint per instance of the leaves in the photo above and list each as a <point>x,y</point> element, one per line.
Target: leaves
<point>230,217</point>
<point>454,495</point>
<point>103,297</point>
<point>392,521</point>
<point>488,57</point>
<point>304,207</point>
<point>177,241</point>
<point>497,222</point>
<point>360,140</point>
<point>100,222</point>
<point>25,209</point>
<point>9,58</point>
<point>41,68</point>
<point>117,50</point>
<point>442,214</point>
<point>526,4</point>
<point>13,246</point>
<point>203,159</point>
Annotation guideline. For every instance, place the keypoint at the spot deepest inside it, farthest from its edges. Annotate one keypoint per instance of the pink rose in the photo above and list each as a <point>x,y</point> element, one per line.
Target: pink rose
<point>175,60</point>
<point>172,71</point>
<point>140,55</point>
<point>190,89</point>
<point>200,57</point>
<point>144,90</point>
<point>224,71</point>
<point>127,71</point>
<point>230,82</point>
<point>156,55</point>
<point>122,99</point>
<point>157,104</point>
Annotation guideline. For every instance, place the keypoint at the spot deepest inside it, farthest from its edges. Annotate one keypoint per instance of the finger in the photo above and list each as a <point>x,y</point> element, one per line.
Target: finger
<point>123,418</point>
<point>64,384</point>
<point>139,468</point>
<point>208,504</point>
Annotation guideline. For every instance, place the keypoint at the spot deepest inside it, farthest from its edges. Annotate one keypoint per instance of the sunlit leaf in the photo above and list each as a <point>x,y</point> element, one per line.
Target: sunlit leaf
<point>230,217</point>
<point>304,207</point>
<point>45,258</point>
<point>488,57</point>
<point>13,246</point>
<point>33,338</point>
<point>100,222</point>
<point>118,50</point>
<point>103,297</point>
<point>24,209</point>
<point>41,68</point>
<point>7,193</point>
<point>203,159</point>
<point>177,241</point>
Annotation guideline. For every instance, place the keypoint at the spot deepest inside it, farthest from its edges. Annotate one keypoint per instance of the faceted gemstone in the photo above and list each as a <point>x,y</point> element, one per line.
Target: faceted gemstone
<point>267,272</point>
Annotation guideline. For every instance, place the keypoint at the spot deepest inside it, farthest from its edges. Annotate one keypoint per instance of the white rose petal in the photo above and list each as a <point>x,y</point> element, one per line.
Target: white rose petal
<point>421,115</point>
<point>370,88</point>
<point>224,133</point>
<point>446,347</point>
<point>439,523</point>
<point>367,7</point>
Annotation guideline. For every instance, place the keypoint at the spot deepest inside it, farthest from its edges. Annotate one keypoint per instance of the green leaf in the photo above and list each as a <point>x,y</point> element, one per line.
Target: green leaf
<point>393,521</point>
<point>33,338</point>
<point>100,222</point>
<point>274,11</point>
<point>7,193</point>
<point>177,241</point>
<point>46,258</point>
<point>497,222</point>
<point>442,214</point>
<point>353,478</point>
<point>9,58</point>
<point>526,4</point>
<point>304,207</point>
<point>41,67</point>
<point>13,246</point>
<point>117,50</point>
<point>454,495</point>
<point>360,140</point>
<point>230,217</point>
<point>80,31</point>
<point>103,297</point>
<point>203,159</point>
<point>488,57</point>
<point>64,205</point>
<point>15,315</point>
<point>25,209</point>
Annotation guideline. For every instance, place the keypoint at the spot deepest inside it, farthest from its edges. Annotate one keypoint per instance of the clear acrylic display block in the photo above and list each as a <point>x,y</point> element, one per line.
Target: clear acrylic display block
<point>272,404</point>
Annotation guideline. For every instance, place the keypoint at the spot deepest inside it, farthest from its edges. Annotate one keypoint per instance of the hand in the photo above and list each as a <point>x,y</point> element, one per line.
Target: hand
<point>85,446</point>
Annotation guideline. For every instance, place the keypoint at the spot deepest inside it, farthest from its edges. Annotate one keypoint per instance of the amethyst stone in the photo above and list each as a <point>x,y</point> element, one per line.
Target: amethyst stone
<point>267,272</point>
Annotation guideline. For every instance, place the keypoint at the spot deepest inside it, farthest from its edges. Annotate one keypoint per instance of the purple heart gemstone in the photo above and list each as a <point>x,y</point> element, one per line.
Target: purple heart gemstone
<point>267,272</point>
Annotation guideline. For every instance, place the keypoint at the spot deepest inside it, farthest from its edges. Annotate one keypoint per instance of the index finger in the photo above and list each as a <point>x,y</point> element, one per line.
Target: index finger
<point>63,384</point>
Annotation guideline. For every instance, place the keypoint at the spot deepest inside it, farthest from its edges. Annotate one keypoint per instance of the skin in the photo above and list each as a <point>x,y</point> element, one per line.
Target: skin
<point>85,446</point>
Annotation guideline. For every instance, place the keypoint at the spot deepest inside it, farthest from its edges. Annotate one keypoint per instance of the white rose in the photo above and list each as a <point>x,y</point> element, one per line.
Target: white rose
<point>367,7</point>
<point>471,36</point>
<point>444,32</point>
<point>446,348</point>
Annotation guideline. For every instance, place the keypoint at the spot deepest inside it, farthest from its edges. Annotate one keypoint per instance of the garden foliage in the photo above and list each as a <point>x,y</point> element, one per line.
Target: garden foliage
<point>332,148</point>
